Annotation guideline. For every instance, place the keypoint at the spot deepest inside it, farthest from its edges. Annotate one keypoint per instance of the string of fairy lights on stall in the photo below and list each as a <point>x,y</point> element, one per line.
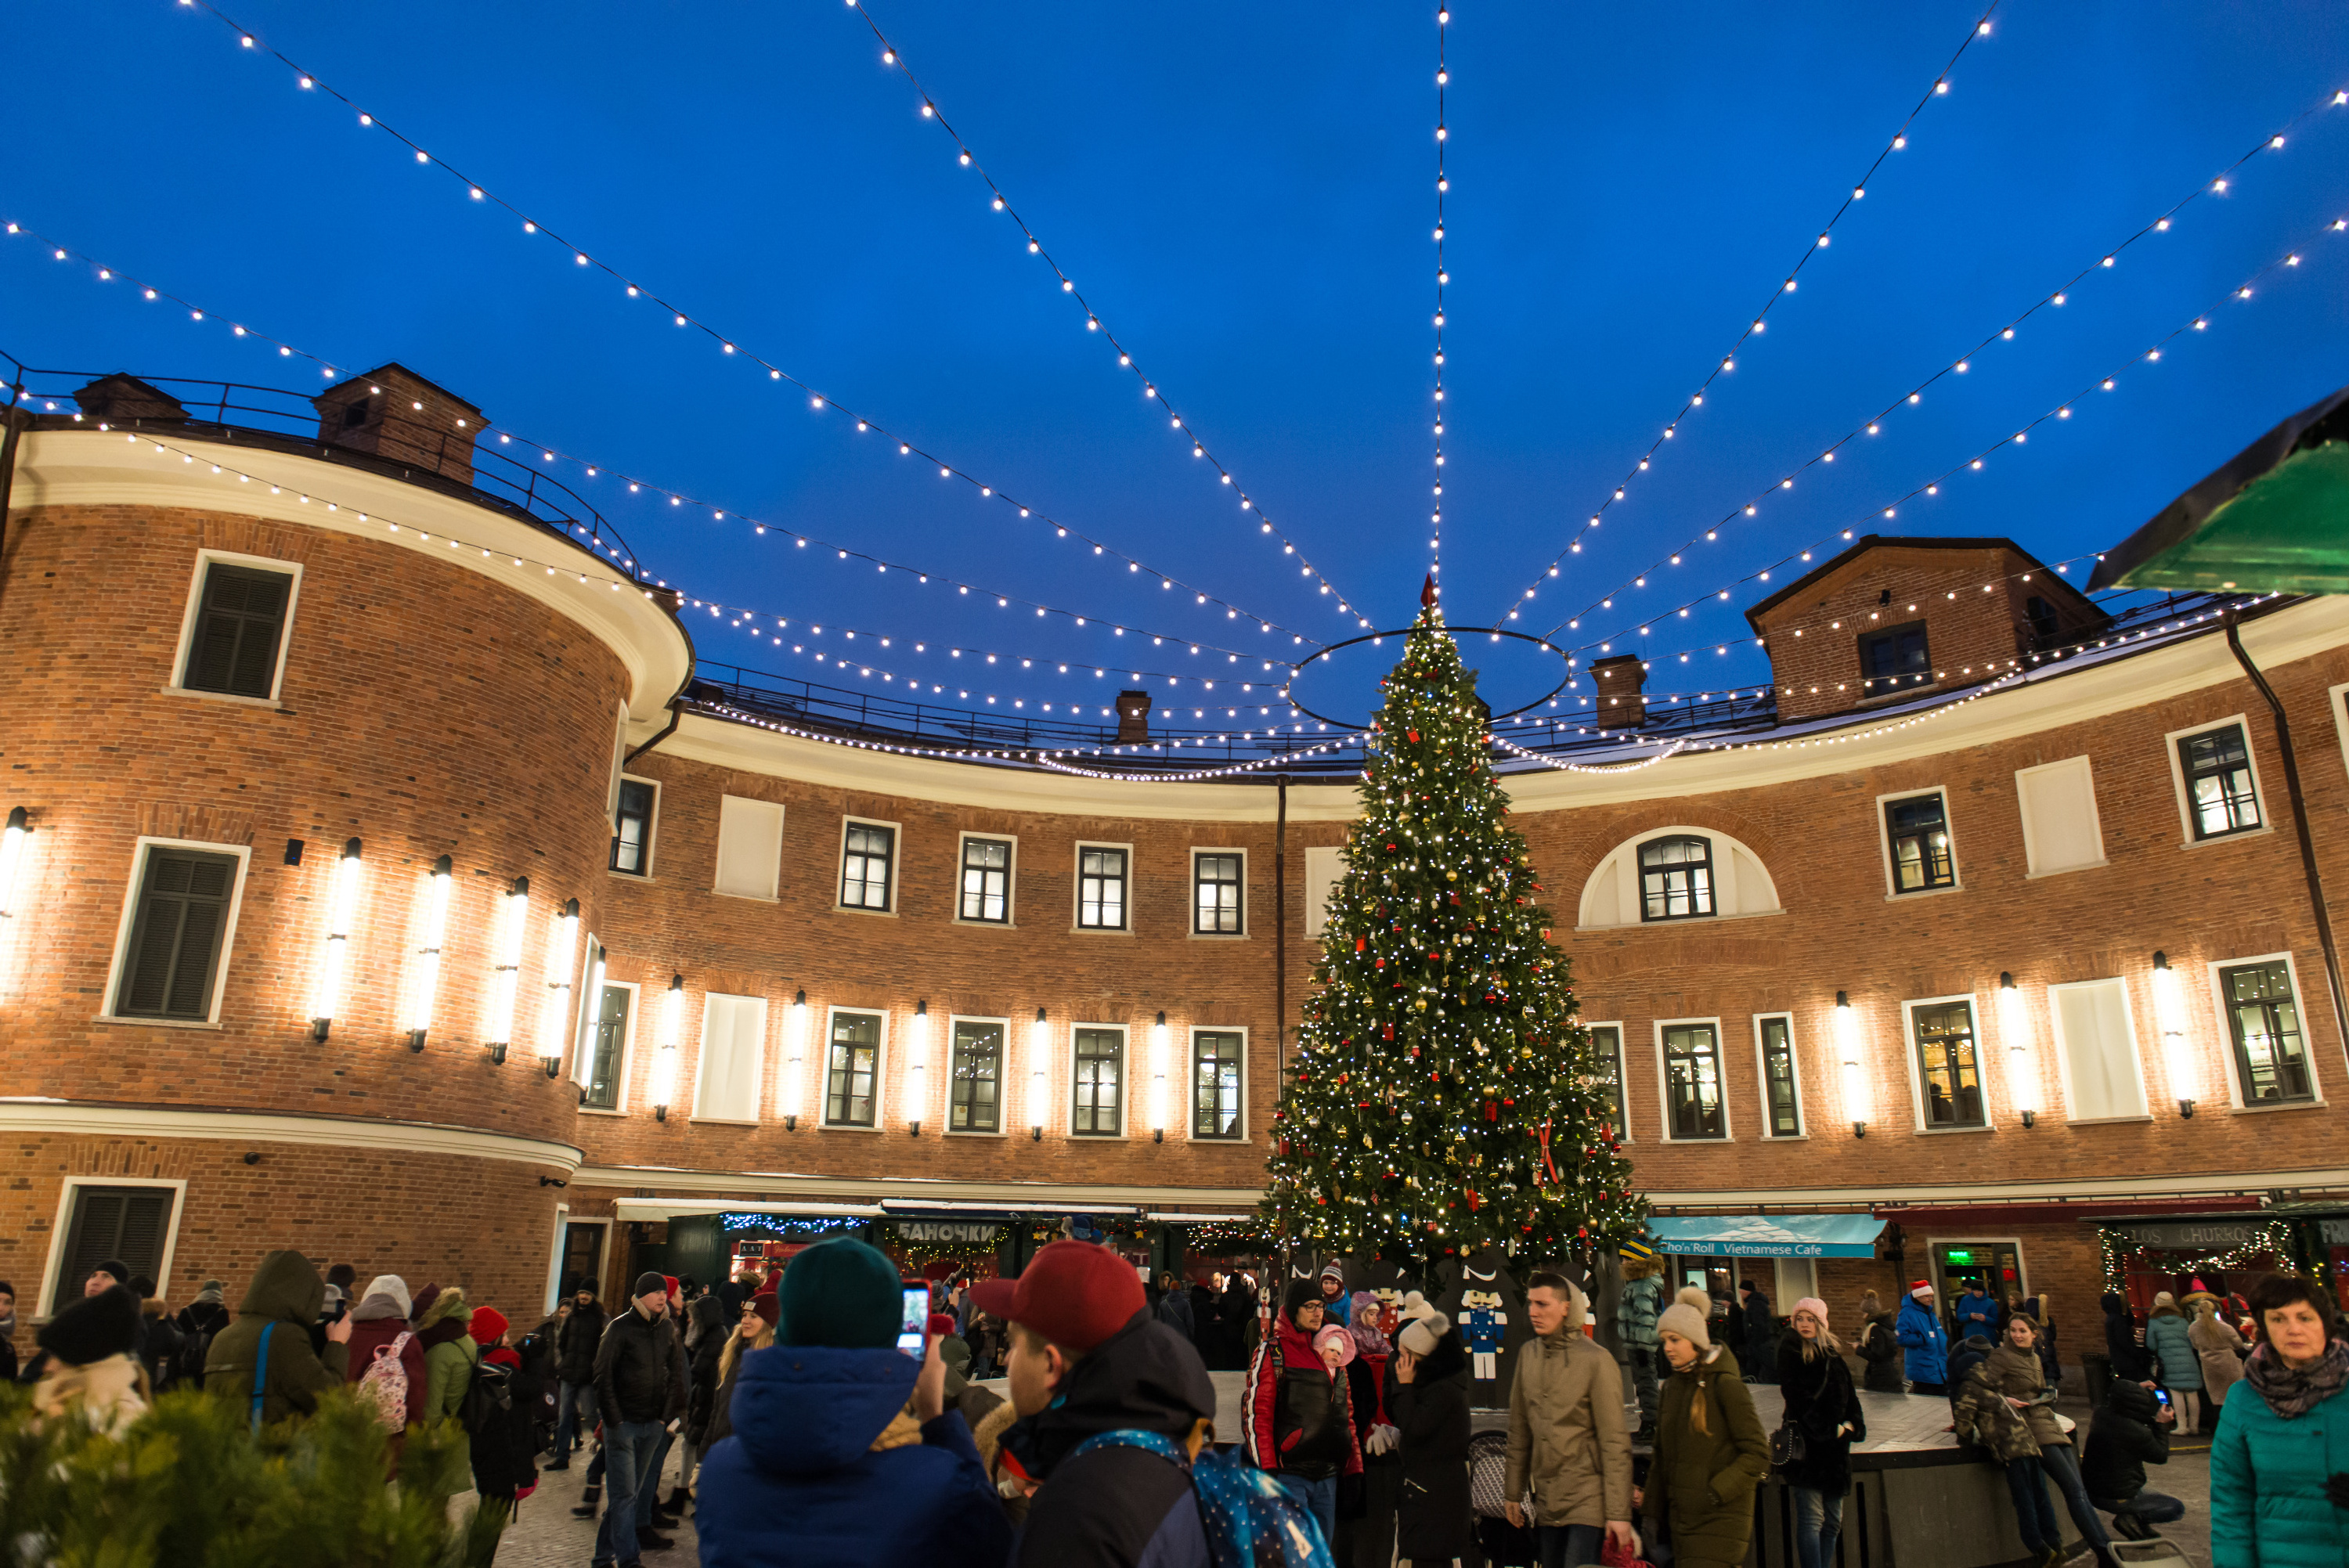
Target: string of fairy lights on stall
<point>2054,299</point>
<point>2271,1239</point>
<point>819,400</point>
<point>1723,364</point>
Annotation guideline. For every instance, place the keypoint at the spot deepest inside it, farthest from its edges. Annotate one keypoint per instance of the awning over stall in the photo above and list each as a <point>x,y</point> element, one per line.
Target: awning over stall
<point>1769,1235</point>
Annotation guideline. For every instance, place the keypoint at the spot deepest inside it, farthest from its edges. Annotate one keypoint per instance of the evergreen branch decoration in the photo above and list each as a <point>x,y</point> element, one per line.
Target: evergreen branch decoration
<point>1444,1096</point>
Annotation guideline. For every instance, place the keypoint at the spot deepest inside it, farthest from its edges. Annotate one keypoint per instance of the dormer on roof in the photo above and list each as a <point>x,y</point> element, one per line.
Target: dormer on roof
<point>394,413</point>
<point>1894,618</point>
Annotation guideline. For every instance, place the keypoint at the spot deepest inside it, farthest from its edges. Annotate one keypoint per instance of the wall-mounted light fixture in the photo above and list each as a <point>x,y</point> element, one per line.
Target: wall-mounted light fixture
<point>2177,1045</point>
<point>663,1084</point>
<point>917,1066</point>
<point>796,1029</point>
<point>12,855</point>
<point>505,980</point>
<point>437,889</point>
<point>1855,1087</point>
<point>1039,1045</point>
<point>2014,1023</point>
<point>342,905</point>
<point>1158,1080</point>
<point>562,958</point>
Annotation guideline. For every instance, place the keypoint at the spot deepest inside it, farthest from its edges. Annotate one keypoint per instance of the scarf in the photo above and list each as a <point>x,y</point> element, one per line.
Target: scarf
<point>2292,1391</point>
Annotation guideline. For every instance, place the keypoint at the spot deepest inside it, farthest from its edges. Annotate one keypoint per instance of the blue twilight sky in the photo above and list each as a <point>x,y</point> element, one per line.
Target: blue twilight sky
<point>1246,194</point>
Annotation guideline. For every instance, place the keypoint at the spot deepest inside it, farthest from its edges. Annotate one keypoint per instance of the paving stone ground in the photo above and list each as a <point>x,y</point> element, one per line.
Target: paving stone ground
<point>544,1535</point>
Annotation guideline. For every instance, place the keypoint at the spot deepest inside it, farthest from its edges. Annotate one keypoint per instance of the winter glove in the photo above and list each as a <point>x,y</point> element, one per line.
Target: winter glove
<point>1384,1439</point>
<point>2336,1487</point>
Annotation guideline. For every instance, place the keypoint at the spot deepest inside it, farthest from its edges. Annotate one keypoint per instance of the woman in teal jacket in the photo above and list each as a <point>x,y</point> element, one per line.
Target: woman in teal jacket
<point>2279,1458</point>
<point>2178,1363</point>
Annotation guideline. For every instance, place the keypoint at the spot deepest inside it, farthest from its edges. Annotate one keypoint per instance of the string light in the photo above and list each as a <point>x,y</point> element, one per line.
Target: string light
<point>1443,277</point>
<point>728,345</point>
<point>999,202</point>
<point>1725,364</point>
<point>593,469</point>
<point>2055,414</point>
<point>2054,298</point>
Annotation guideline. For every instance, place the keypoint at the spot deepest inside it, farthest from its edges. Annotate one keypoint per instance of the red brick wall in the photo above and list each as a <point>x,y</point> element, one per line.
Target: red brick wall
<point>424,709</point>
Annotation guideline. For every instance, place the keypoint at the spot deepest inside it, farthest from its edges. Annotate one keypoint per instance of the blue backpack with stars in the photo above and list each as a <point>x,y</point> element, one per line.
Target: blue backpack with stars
<point>1252,1518</point>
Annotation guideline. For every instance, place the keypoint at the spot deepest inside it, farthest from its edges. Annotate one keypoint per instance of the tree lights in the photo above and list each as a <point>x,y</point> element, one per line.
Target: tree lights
<point>2177,1045</point>
<point>427,990</point>
<point>342,905</point>
<point>1855,1080</point>
<point>1444,1094</point>
<point>505,978</point>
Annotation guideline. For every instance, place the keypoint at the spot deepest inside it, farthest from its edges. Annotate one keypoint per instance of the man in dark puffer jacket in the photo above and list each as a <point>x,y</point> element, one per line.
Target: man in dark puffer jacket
<point>575,1368</point>
<point>2129,1433</point>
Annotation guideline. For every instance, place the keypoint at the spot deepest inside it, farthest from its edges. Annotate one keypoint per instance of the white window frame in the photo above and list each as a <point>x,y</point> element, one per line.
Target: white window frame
<point>619,758</point>
<point>1733,890</point>
<point>1002,1081</point>
<point>2225,1036</point>
<point>1124,1132</point>
<point>1190,1081</point>
<point>627,1047</point>
<point>2170,743</point>
<point>896,866</point>
<point>2063,1063</point>
<point>1762,1078</point>
<point>1933,1244</point>
<point>1892,893</point>
<point>823,1044</point>
<point>1191,897</point>
<point>204,560</point>
<point>583,1017</point>
<point>1622,1133</point>
<point>554,1263</point>
<point>2083,764</point>
<point>1982,1073</point>
<point>1317,916</point>
<point>140,849</point>
<point>1663,1083</point>
<point>717,849</point>
<point>1076,889</point>
<point>1011,921</point>
<point>701,1060</point>
<point>61,1228</point>
<point>652,833</point>
<point>2338,696</point>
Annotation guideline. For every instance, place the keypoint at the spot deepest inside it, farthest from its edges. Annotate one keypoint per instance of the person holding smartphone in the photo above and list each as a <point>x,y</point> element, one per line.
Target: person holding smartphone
<point>844,1451</point>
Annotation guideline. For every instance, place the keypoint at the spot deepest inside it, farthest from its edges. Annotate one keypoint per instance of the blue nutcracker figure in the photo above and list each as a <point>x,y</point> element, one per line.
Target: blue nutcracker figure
<point>1489,1325</point>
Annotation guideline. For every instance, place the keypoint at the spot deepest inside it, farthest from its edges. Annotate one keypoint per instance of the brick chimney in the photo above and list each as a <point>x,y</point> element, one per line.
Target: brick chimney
<point>1620,701</point>
<point>397,415</point>
<point>1132,717</point>
<point>121,398</point>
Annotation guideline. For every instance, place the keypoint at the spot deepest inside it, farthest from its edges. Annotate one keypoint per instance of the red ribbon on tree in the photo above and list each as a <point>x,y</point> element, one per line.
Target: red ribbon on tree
<point>1548,1164</point>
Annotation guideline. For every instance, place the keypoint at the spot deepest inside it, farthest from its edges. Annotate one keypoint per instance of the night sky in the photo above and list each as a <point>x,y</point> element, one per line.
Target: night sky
<point>1246,197</point>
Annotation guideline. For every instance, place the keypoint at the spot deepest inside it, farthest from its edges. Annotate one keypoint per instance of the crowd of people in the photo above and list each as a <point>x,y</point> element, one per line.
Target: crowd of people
<point>810,1436</point>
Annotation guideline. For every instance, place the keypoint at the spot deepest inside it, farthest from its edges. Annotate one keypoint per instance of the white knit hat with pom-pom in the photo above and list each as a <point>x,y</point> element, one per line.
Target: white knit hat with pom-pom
<point>1686,1317</point>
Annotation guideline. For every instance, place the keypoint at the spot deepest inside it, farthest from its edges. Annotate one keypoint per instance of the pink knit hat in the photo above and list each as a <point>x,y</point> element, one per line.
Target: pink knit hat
<point>1341,1338</point>
<point>1815,1306</point>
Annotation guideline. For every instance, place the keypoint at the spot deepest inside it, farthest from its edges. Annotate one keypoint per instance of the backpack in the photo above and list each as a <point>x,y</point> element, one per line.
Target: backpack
<point>383,1388</point>
<point>187,1368</point>
<point>1252,1518</point>
<point>498,1426</point>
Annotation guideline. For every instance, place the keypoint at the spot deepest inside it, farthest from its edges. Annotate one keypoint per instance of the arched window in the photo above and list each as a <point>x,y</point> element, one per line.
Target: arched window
<point>1675,879</point>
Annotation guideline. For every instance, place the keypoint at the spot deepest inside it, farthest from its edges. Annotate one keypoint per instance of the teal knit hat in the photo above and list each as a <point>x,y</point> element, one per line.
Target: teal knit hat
<point>841,1293</point>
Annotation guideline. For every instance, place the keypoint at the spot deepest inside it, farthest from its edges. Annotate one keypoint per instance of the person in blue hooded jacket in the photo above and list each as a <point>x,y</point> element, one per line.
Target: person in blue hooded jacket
<point>844,1451</point>
<point>1919,1331</point>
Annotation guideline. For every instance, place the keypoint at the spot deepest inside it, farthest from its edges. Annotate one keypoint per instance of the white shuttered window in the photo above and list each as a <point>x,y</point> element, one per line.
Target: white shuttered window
<point>2098,1047</point>
<point>2060,828</point>
<point>750,847</point>
<point>733,1054</point>
<point>1323,869</point>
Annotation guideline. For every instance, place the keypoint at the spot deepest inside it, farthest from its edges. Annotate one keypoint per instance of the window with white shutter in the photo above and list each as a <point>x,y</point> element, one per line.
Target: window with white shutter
<point>2095,1043</point>
<point>733,1054</point>
<point>2061,831</point>
<point>1323,869</point>
<point>750,847</point>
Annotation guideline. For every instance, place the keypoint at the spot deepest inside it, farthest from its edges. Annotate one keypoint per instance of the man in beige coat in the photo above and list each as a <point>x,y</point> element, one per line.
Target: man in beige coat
<point>1567,1443</point>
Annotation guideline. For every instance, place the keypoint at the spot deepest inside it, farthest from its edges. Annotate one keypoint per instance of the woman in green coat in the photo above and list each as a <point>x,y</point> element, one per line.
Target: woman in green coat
<point>444,1324</point>
<point>1710,1450</point>
<point>2281,1452</point>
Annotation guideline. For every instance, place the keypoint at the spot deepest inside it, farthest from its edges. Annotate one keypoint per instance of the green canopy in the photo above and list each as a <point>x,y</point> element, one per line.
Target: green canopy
<point>2275,518</point>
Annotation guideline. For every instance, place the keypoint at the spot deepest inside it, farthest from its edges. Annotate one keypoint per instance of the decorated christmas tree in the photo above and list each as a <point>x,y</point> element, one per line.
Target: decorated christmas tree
<point>1444,1096</point>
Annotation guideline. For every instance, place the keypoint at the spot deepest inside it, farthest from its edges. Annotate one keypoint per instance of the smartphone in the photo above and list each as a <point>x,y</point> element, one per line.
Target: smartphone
<point>2162,1395</point>
<point>914,1319</point>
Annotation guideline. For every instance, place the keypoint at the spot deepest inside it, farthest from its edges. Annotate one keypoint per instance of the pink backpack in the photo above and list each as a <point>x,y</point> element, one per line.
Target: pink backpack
<point>383,1389</point>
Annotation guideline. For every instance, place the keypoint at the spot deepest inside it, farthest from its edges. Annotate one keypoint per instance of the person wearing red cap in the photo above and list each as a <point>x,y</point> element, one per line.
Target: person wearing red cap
<point>1921,1333</point>
<point>1088,1358</point>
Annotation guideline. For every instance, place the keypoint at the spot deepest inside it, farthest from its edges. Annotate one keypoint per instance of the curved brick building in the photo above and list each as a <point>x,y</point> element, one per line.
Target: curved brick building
<point>389,887</point>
